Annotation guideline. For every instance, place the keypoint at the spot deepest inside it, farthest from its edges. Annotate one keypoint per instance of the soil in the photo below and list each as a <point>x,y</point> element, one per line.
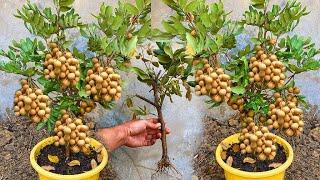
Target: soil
<point>17,138</point>
<point>258,166</point>
<point>62,166</point>
<point>305,165</point>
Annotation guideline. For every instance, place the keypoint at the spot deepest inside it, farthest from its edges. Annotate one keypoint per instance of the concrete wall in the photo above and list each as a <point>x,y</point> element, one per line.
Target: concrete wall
<point>184,118</point>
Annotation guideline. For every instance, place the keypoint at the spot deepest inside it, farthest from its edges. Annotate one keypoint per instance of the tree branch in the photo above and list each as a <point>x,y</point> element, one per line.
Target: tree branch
<point>146,100</point>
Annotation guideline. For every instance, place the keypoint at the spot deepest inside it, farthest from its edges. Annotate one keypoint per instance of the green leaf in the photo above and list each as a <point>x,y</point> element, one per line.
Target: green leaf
<point>205,19</point>
<point>145,29</point>
<point>131,9</point>
<point>191,41</point>
<point>66,44</point>
<point>191,6</point>
<point>238,90</point>
<point>65,9</point>
<point>256,41</point>
<point>117,23</point>
<point>129,102</point>
<point>182,3</point>
<point>132,43</point>
<point>192,83</point>
<point>29,72</point>
<point>169,28</point>
<point>66,2</point>
<point>40,125</point>
<point>168,51</point>
<point>140,4</point>
<point>140,73</point>
<point>168,2</point>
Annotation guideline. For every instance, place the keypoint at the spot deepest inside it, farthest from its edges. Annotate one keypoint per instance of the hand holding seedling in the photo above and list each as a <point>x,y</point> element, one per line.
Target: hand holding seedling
<point>135,133</point>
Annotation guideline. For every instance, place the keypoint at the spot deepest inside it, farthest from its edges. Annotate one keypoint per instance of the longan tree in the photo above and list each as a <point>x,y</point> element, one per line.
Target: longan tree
<point>256,87</point>
<point>72,83</point>
<point>267,97</point>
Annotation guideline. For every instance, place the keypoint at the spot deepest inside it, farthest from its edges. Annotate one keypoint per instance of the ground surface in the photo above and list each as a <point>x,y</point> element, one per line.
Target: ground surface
<point>17,137</point>
<point>306,164</point>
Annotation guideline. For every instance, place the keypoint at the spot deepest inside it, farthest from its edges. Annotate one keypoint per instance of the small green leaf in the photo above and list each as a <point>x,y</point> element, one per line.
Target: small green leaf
<point>191,41</point>
<point>132,9</point>
<point>66,2</point>
<point>206,19</point>
<point>256,41</point>
<point>169,28</point>
<point>132,43</point>
<point>40,125</point>
<point>168,51</point>
<point>191,6</point>
<point>140,4</point>
<point>139,72</point>
<point>238,90</point>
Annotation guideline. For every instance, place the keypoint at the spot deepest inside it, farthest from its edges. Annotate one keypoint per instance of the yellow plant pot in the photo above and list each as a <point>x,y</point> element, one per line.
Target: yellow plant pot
<point>235,174</point>
<point>45,175</point>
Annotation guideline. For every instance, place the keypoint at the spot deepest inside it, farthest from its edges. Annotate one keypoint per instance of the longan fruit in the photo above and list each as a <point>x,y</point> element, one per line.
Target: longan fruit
<point>296,91</point>
<point>242,146</point>
<point>262,157</point>
<point>81,143</point>
<point>248,149</point>
<point>253,138</point>
<point>75,149</point>
<point>258,48</point>
<point>113,91</point>
<point>267,150</point>
<point>62,142</point>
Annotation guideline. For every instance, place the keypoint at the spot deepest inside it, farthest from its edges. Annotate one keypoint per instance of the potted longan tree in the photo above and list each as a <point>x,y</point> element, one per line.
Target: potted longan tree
<point>59,86</point>
<point>257,85</point>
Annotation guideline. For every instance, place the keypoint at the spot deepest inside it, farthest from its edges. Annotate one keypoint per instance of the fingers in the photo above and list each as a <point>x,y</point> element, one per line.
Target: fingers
<point>149,142</point>
<point>151,125</point>
<point>153,120</point>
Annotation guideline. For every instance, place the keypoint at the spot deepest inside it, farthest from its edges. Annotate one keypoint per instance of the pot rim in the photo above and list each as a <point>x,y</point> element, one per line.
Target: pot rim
<point>87,174</point>
<point>280,169</point>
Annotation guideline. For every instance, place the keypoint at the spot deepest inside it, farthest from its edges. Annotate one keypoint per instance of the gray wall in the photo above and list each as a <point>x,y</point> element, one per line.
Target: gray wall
<point>184,118</point>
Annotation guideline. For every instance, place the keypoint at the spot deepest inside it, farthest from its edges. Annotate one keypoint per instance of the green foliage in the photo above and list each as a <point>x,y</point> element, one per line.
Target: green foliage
<point>175,71</point>
<point>277,21</point>
<point>208,28</point>
<point>21,55</point>
<point>301,52</point>
<point>45,23</point>
<point>116,29</point>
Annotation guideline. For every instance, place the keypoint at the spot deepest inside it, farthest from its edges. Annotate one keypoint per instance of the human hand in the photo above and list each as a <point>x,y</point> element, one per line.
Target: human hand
<point>143,132</point>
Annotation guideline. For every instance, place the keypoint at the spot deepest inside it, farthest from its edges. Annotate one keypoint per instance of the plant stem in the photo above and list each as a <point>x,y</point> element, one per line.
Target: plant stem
<point>160,118</point>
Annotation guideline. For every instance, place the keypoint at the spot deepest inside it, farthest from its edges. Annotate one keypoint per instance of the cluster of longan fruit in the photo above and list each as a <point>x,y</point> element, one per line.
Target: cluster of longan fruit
<point>86,107</point>
<point>236,104</point>
<point>258,141</point>
<point>286,115</point>
<point>103,83</point>
<point>212,82</point>
<point>72,132</point>
<point>61,66</point>
<point>266,70</point>
<point>32,102</point>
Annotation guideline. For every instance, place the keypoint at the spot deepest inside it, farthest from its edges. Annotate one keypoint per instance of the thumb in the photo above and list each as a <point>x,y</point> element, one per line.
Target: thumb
<point>151,125</point>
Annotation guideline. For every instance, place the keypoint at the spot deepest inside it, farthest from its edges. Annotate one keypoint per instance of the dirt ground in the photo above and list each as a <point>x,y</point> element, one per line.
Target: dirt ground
<point>17,138</point>
<point>306,163</point>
